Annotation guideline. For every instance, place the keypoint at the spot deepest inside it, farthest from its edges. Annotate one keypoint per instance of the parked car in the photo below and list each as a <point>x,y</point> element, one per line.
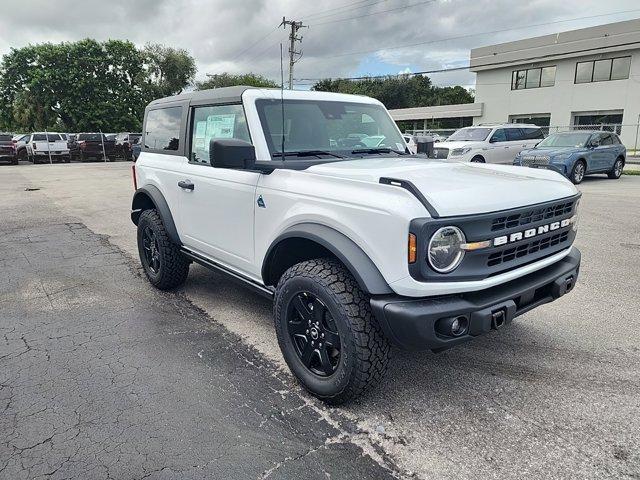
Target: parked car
<point>488,143</point>
<point>8,149</point>
<point>576,154</point>
<point>43,147</point>
<point>136,148</point>
<point>95,146</point>
<point>358,247</point>
<point>124,144</point>
<point>20,141</point>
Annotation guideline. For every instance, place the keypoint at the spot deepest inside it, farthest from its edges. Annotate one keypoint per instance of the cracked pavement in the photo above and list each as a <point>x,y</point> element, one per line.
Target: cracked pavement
<point>101,376</point>
<point>163,391</point>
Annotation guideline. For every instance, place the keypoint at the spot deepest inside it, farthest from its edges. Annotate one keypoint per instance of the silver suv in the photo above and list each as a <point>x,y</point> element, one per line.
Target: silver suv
<point>489,143</point>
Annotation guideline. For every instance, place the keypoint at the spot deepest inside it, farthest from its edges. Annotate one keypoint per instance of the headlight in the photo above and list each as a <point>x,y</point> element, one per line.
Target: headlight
<point>445,252</point>
<point>457,152</point>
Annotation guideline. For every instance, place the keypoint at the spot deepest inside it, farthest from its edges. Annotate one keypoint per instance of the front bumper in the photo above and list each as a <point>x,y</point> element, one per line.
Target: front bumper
<point>416,324</point>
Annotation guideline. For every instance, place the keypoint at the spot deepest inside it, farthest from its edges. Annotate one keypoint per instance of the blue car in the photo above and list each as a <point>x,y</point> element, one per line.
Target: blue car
<point>576,154</point>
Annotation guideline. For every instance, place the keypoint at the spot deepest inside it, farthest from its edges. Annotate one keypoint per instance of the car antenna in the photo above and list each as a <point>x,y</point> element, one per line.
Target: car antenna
<point>282,101</point>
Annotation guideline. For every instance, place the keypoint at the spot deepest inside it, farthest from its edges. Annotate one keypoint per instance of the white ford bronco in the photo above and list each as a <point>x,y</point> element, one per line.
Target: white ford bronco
<point>360,247</point>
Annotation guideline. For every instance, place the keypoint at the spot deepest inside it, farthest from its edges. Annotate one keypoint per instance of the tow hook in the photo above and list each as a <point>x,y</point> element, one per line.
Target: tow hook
<point>497,319</point>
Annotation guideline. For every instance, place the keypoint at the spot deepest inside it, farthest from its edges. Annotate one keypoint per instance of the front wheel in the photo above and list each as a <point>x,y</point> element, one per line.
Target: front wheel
<point>477,159</point>
<point>164,265</point>
<point>577,172</point>
<point>328,336</point>
<point>616,171</point>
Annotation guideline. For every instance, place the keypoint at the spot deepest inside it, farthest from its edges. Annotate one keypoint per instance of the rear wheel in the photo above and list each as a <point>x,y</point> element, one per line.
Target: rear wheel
<point>577,172</point>
<point>328,336</point>
<point>616,171</point>
<point>14,160</point>
<point>164,265</point>
<point>477,159</point>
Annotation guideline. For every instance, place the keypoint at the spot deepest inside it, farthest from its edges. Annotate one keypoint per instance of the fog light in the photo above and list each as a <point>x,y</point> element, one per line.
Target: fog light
<point>453,327</point>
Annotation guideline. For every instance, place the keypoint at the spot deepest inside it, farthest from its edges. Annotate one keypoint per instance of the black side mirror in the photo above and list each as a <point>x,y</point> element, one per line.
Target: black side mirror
<point>232,153</point>
<point>425,145</point>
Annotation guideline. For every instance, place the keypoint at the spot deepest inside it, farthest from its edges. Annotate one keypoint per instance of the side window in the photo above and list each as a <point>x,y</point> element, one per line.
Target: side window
<point>596,139</point>
<point>533,133</point>
<point>615,140</point>
<point>212,123</point>
<point>499,136</point>
<point>514,134</point>
<point>606,139</point>
<point>163,129</point>
<point>39,137</point>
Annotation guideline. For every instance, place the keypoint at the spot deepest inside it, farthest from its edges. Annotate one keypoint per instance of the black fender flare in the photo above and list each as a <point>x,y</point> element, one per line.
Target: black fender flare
<point>141,202</point>
<point>346,250</point>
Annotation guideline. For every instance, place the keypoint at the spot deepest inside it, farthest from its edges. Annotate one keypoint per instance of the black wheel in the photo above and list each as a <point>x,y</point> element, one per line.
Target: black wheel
<point>477,159</point>
<point>164,265</point>
<point>67,159</point>
<point>22,155</point>
<point>616,171</point>
<point>328,336</point>
<point>82,157</point>
<point>14,160</point>
<point>577,172</point>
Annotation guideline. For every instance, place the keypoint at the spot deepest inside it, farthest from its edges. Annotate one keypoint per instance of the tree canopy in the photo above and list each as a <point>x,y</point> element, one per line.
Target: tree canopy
<point>230,80</point>
<point>87,85</point>
<point>401,91</point>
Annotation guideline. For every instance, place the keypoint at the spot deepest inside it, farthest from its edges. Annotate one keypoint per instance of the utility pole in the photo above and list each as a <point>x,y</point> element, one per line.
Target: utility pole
<point>294,55</point>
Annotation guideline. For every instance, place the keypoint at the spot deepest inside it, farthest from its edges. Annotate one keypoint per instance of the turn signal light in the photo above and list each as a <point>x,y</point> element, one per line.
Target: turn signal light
<point>413,248</point>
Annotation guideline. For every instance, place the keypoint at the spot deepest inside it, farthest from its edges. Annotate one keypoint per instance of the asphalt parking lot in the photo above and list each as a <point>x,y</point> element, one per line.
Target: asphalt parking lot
<point>101,376</point>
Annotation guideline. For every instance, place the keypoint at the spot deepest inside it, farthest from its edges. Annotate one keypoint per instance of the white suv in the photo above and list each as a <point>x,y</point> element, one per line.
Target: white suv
<point>489,143</point>
<point>360,244</point>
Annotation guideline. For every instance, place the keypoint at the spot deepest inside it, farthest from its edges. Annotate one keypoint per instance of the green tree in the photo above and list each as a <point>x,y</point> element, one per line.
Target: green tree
<point>169,70</point>
<point>398,91</point>
<point>229,80</point>
<point>86,85</point>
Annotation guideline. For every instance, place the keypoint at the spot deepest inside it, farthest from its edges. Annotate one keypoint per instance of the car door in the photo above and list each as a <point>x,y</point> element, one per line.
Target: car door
<point>516,142</point>
<point>598,156</point>
<point>609,151</point>
<point>498,150</point>
<point>217,207</point>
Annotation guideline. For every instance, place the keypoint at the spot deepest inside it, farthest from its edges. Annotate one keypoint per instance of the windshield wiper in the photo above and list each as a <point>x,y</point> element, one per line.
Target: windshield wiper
<point>307,153</point>
<point>374,151</point>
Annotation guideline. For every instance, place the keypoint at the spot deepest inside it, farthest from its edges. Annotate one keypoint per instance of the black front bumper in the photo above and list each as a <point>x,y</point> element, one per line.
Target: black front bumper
<point>417,324</point>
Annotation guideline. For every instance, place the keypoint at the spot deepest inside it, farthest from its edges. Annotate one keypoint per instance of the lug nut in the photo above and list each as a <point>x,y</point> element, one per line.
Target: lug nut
<point>313,344</point>
<point>307,332</point>
<point>322,335</point>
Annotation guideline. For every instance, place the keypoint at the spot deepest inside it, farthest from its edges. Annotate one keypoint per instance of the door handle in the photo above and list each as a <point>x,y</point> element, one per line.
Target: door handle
<point>186,184</point>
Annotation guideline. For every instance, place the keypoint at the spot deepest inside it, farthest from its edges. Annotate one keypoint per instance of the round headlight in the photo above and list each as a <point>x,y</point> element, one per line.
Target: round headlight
<point>444,252</point>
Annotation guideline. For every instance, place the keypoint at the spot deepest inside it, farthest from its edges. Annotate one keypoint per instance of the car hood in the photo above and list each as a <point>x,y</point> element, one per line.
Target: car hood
<point>452,145</point>
<point>552,151</point>
<point>458,188</point>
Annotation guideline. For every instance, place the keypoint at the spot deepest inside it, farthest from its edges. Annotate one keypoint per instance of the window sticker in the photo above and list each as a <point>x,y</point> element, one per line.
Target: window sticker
<point>201,131</point>
<point>220,126</point>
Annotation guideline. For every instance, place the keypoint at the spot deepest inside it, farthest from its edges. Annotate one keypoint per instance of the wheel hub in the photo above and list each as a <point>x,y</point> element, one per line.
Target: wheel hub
<point>314,334</point>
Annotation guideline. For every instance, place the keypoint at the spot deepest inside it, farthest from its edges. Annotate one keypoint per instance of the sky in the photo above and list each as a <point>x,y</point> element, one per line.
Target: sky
<point>343,38</point>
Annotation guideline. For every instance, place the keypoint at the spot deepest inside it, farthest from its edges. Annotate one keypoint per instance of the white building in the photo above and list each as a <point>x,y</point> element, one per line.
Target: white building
<point>588,77</point>
<point>582,77</point>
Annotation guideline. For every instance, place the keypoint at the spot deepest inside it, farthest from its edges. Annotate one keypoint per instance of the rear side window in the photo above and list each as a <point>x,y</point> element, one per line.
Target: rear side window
<point>53,137</point>
<point>532,133</point>
<point>514,134</point>
<point>39,137</point>
<point>499,136</point>
<point>615,139</point>
<point>5,138</point>
<point>606,140</point>
<point>212,123</point>
<point>91,137</point>
<point>163,129</point>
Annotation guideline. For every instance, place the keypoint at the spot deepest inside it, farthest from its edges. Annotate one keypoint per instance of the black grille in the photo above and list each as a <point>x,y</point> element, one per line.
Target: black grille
<point>531,216</point>
<point>509,254</point>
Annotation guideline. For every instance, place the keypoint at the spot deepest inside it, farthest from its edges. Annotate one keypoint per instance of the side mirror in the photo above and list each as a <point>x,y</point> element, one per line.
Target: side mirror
<point>232,153</point>
<point>425,145</point>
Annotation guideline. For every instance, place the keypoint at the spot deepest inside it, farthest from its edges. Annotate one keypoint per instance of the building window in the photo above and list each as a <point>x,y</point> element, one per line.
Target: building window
<point>533,78</point>
<point>610,121</point>
<point>603,70</point>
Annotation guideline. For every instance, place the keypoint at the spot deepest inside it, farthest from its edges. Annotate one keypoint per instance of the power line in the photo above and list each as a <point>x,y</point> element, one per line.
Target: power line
<point>459,37</point>
<point>340,10</point>
<point>372,13</point>
<point>409,74</point>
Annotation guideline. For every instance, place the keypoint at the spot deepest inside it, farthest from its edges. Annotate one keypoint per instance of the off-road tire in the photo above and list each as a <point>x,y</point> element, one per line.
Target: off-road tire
<point>477,159</point>
<point>574,175</point>
<point>174,267</point>
<point>616,172</point>
<point>364,349</point>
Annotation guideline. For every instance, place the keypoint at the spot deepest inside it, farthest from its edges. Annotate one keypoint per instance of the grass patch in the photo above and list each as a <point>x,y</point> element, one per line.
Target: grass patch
<point>631,172</point>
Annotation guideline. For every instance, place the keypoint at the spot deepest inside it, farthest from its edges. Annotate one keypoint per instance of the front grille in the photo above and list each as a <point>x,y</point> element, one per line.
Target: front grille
<point>510,254</point>
<point>532,216</point>
<point>529,160</point>
<point>440,152</point>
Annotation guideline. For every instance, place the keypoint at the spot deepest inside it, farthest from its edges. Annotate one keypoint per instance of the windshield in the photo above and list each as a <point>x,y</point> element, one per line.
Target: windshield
<point>342,129</point>
<point>565,140</point>
<point>470,135</point>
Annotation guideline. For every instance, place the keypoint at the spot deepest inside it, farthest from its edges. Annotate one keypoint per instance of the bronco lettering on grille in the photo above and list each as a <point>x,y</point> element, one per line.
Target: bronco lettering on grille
<point>532,232</point>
